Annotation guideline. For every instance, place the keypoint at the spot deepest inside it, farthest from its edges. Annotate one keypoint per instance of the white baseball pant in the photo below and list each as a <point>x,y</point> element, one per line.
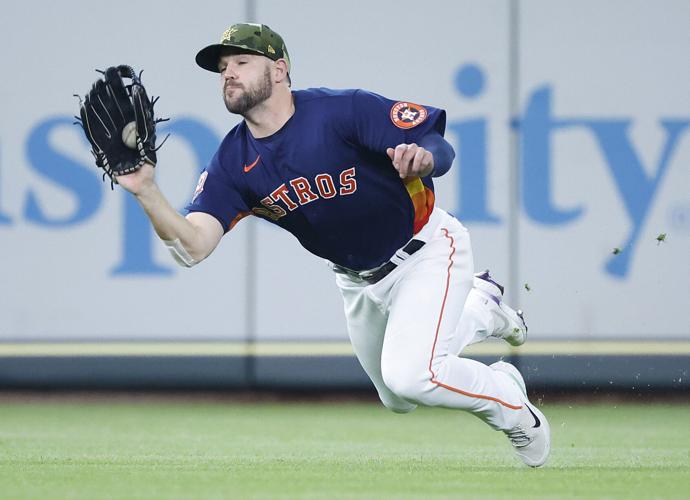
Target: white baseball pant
<point>408,328</point>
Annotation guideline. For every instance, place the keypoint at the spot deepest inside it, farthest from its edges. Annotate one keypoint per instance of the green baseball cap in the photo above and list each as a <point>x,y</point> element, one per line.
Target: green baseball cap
<point>247,37</point>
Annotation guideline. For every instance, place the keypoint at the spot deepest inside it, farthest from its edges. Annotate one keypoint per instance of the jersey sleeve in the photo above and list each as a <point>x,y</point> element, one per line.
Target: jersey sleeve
<point>216,195</point>
<point>381,123</point>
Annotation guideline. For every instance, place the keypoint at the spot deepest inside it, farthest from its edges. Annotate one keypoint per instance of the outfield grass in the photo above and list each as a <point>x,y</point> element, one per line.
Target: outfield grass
<point>224,450</point>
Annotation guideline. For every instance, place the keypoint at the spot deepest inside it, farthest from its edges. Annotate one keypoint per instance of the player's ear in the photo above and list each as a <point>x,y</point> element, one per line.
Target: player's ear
<point>281,71</point>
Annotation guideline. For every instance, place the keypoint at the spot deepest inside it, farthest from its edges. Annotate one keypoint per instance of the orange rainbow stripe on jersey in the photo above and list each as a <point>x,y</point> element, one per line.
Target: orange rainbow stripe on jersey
<point>422,200</point>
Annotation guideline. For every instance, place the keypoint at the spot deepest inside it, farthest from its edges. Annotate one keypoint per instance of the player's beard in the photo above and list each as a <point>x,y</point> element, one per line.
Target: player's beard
<point>250,97</point>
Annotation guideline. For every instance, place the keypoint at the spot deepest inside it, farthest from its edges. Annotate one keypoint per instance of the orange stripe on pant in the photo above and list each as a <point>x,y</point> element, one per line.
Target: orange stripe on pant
<point>438,327</point>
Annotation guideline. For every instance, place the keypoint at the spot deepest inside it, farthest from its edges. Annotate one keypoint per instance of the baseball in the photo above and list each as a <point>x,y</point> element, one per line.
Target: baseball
<point>129,135</point>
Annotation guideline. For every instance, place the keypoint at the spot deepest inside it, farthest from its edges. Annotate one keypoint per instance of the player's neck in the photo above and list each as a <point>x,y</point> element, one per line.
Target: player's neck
<point>269,117</point>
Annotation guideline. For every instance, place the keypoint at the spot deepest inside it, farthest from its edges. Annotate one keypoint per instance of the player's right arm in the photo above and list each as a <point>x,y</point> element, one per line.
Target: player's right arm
<point>190,239</point>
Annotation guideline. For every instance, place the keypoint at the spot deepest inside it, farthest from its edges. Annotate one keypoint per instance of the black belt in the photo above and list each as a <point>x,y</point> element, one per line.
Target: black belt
<point>376,275</point>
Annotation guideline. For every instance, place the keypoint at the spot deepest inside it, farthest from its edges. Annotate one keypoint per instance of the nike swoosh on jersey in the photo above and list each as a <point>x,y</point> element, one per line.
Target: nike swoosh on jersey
<point>247,168</point>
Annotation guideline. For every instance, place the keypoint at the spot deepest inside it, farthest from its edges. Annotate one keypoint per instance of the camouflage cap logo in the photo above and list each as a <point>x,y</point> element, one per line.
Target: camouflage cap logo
<point>228,33</point>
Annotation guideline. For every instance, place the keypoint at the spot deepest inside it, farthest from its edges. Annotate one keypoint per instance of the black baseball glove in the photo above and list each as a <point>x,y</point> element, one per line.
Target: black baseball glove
<point>118,121</point>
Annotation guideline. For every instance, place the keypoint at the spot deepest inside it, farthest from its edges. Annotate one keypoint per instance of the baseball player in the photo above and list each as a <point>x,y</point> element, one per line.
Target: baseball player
<point>350,174</point>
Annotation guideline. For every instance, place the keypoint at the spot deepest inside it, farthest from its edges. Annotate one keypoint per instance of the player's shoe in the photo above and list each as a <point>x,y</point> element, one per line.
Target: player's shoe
<point>510,324</point>
<point>531,438</point>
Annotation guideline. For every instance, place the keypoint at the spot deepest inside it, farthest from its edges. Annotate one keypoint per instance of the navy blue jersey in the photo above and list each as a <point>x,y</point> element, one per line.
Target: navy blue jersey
<point>325,176</point>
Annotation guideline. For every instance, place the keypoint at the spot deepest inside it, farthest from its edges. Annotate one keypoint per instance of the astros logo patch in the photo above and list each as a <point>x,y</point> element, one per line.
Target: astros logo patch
<point>407,114</point>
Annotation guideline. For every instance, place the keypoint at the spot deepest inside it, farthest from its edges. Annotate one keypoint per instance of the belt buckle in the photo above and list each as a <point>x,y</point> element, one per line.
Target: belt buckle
<point>367,275</point>
<point>356,275</point>
<point>380,272</point>
<point>372,275</point>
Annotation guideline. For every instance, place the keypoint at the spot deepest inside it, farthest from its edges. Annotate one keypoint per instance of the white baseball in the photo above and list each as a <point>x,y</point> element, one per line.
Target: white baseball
<point>129,135</point>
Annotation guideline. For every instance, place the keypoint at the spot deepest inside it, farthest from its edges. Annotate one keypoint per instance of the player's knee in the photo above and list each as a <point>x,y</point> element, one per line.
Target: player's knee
<point>406,382</point>
<point>396,404</point>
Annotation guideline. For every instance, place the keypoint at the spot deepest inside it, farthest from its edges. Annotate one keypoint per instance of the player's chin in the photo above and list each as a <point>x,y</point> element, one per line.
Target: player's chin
<point>233,105</point>
<point>228,98</point>
<point>232,102</point>
<point>232,94</point>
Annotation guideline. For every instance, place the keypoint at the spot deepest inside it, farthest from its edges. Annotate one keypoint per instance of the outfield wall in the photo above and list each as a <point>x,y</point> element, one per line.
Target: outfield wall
<point>571,122</point>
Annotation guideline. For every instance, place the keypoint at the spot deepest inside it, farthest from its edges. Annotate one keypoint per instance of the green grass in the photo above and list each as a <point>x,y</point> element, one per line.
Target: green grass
<point>223,450</point>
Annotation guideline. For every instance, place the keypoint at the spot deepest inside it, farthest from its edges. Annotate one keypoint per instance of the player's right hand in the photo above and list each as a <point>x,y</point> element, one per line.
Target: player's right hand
<point>139,181</point>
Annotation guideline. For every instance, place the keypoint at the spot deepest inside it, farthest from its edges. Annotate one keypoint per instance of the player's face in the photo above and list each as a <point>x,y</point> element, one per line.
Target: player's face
<point>246,80</point>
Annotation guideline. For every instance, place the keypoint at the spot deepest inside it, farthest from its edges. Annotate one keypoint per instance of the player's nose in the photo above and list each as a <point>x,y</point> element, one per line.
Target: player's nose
<point>229,74</point>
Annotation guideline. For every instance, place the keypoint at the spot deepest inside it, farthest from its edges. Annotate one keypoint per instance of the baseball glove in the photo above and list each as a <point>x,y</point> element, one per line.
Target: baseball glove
<point>118,121</point>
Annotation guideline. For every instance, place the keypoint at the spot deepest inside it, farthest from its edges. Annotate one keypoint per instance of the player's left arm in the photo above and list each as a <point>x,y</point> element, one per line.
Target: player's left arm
<point>412,138</point>
<point>432,156</point>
